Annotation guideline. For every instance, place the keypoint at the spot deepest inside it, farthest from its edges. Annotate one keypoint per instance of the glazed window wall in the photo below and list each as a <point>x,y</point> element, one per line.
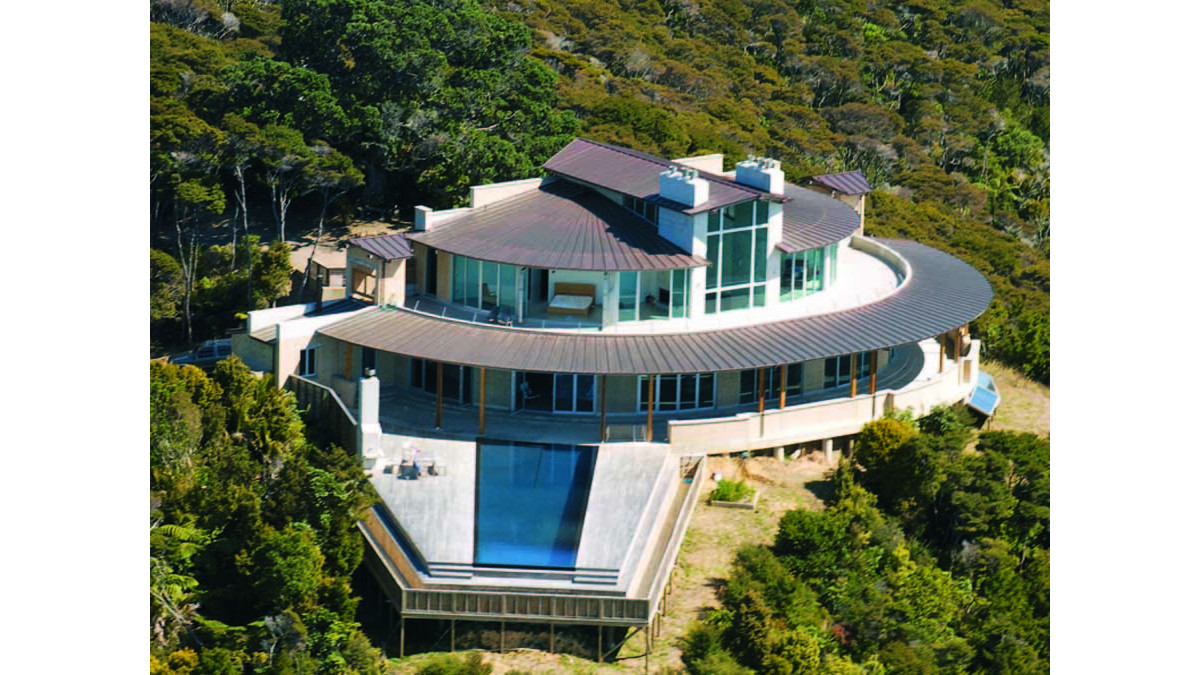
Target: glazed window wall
<point>737,249</point>
<point>483,284</point>
<point>678,392</point>
<point>837,369</point>
<point>652,295</point>
<point>456,380</point>
<point>805,272</point>
<point>748,392</point>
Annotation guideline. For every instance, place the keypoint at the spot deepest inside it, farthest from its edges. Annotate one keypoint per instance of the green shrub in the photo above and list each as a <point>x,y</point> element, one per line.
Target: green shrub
<point>730,491</point>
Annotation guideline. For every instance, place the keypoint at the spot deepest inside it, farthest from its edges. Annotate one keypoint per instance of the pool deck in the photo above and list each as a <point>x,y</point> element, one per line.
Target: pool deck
<point>631,485</point>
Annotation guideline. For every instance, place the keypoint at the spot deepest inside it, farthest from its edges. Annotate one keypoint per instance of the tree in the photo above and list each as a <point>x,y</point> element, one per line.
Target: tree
<point>166,286</point>
<point>332,175</point>
<point>286,159</point>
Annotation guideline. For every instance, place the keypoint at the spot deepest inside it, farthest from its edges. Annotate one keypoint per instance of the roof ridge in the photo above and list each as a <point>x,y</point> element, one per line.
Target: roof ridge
<point>671,163</point>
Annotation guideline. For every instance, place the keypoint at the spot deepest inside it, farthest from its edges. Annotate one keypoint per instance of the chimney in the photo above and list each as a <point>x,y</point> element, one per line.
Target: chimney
<point>761,173</point>
<point>421,218</point>
<point>683,185</point>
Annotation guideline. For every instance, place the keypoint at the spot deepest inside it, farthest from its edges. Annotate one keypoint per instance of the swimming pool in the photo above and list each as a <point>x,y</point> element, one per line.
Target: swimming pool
<point>530,500</point>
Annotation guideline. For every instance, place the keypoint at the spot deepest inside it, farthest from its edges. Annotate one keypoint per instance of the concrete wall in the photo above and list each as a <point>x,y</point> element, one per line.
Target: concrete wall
<point>445,274</point>
<point>482,195</point>
<point>714,163</point>
<point>499,388</point>
<point>622,394</point>
<point>728,388</point>
<point>257,355</point>
<point>418,264</point>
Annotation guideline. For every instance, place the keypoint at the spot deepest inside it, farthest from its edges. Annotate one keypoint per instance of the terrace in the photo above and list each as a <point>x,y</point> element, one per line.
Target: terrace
<point>409,411</point>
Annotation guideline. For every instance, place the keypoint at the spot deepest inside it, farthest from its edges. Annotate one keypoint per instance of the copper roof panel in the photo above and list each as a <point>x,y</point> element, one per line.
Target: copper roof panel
<point>941,294</point>
<point>560,225</point>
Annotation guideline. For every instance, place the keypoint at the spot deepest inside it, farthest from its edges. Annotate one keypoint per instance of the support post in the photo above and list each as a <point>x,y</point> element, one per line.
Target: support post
<point>482,400</point>
<point>599,644</point>
<point>853,374</point>
<point>874,367</point>
<point>402,621</point>
<point>958,344</point>
<point>941,353</point>
<point>438,420</point>
<point>452,636</point>
<point>650,408</point>
<point>762,390</point>
<point>551,638</point>
<point>647,659</point>
<point>827,446</point>
<point>603,407</point>
<point>501,637</point>
<point>783,386</point>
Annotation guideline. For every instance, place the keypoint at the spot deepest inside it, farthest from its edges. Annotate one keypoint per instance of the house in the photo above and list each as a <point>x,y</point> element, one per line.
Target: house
<point>534,381</point>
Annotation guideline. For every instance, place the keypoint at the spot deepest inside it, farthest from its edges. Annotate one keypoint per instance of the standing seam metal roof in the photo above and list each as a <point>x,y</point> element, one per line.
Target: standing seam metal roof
<point>811,219</point>
<point>941,293</point>
<point>846,182</point>
<point>636,173</point>
<point>387,246</point>
<point>560,225</point>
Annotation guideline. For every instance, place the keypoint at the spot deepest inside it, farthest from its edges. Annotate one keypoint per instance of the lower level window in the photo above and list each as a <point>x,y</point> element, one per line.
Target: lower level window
<point>308,362</point>
<point>748,392</point>
<point>677,392</point>
<point>456,380</point>
<point>837,369</point>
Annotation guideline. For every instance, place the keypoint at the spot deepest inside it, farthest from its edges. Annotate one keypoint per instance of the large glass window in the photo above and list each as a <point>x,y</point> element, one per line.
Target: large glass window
<point>748,391</point>
<point>837,369</point>
<point>456,380</point>
<point>677,392</point>
<point>805,272</point>
<point>652,295</point>
<point>737,248</point>
<point>483,284</point>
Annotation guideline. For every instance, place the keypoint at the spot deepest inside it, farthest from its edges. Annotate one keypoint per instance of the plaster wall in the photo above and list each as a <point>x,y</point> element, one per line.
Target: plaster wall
<point>482,195</point>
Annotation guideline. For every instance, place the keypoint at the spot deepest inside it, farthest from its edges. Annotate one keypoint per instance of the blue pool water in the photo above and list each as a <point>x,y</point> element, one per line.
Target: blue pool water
<point>530,499</point>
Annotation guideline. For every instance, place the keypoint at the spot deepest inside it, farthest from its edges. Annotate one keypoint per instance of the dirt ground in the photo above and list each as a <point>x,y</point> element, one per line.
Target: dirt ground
<point>1024,404</point>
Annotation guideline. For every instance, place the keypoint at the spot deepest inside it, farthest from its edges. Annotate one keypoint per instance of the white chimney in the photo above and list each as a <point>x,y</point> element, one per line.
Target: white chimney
<point>421,218</point>
<point>683,185</point>
<point>761,173</point>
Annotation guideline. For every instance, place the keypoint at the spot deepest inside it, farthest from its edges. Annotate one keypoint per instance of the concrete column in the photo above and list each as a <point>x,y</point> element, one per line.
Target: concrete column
<point>370,433</point>
<point>827,446</point>
<point>779,453</point>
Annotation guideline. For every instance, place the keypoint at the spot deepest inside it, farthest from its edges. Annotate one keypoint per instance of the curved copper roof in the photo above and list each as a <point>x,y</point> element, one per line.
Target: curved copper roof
<point>560,225</point>
<point>636,174</point>
<point>941,293</point>
<point>812,219</point>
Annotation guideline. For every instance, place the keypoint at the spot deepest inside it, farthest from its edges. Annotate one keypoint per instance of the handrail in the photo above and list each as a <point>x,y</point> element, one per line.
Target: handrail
<point>667,562</point>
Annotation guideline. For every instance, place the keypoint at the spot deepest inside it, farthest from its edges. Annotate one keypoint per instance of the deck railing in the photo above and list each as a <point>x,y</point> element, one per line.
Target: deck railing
<point>324,403</point>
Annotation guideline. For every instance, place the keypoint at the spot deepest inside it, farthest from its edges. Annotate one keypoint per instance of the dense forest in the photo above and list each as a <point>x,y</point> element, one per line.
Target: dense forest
<point>927,559</point>
<point>329,107</point>
<point>252,532</point>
